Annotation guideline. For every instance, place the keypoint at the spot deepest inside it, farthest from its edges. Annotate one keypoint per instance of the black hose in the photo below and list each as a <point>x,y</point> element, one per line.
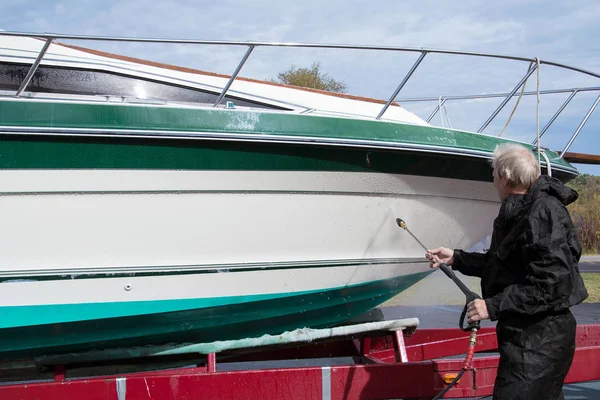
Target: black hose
<point>443,392</point>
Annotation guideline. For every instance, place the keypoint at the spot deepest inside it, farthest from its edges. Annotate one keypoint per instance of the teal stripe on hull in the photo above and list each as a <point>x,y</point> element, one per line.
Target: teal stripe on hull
<point>235,320</point>
<point>20,316</point>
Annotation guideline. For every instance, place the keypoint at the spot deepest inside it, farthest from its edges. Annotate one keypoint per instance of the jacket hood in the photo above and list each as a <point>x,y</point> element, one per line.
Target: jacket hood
<point>547,185</point>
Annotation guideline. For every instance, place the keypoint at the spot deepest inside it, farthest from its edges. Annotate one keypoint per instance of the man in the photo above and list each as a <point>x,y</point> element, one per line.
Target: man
<point>529,278</point>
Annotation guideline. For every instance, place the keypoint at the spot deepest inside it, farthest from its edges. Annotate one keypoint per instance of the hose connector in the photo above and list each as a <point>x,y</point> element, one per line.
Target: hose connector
<point>473,337</point>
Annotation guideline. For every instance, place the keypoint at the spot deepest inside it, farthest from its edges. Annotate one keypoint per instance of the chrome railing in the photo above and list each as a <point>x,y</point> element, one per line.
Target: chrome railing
<point>251,45</point>
<point>574,91</point>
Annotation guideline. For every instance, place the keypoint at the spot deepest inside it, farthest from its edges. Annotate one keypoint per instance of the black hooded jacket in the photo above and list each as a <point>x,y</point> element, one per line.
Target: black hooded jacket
<point>531,266</point>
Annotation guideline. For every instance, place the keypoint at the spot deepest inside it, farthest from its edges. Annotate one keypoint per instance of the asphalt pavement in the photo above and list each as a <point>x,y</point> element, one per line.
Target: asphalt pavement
<point>589,266</point>
<point>438,290</point>
<point>440,316</point>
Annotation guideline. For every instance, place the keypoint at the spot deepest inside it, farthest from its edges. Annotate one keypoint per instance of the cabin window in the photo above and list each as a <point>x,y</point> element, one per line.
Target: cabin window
<point>53,79</point>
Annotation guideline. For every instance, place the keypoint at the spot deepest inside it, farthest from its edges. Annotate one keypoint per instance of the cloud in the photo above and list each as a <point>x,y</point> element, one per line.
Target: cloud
<point>561,31</point>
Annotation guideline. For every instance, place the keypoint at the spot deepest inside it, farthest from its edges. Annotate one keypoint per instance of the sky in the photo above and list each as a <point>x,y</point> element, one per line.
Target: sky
<point>563,31</point>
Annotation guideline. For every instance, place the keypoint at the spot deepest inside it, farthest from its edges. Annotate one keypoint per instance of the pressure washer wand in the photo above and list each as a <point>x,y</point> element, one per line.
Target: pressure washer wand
<point>470,295</point>
<point>402,225</point>
<point>472,327</point>
<point>450,274</point>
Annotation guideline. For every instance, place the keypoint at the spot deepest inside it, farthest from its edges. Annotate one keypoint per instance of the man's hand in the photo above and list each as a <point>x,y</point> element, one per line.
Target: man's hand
<point>477,311</point>
<point>440,255</point>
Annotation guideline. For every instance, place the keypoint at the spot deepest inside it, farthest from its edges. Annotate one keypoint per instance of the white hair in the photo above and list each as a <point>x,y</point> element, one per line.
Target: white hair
<point>517,164</point>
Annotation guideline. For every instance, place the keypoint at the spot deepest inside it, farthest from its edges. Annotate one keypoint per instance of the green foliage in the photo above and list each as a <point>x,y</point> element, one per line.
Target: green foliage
<point>311,77</point>
<point>592,284</point>
<point>585,212</point>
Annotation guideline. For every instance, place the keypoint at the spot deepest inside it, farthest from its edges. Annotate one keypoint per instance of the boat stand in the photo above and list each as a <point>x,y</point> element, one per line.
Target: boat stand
<point>388,359</point>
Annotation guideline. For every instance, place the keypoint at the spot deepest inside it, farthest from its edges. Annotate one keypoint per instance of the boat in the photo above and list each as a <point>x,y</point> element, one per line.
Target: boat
<point>145,203</point>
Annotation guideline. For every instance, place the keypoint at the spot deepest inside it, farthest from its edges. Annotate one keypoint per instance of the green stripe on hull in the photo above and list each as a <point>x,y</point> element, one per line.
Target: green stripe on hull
<point>119,153</point>
<point>71,152</point>
<point>249,317</point>
<point>18,152</point>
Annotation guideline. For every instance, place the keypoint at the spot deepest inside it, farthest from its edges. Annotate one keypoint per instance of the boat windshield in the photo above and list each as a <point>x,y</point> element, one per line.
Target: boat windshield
<point>78,81</point>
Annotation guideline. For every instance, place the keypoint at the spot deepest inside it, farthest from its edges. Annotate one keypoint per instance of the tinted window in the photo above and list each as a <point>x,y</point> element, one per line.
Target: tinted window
<point>49,79</point>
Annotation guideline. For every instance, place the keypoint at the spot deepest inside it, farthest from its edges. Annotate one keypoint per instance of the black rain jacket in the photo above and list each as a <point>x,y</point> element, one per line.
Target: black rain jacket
<point>531,266</point>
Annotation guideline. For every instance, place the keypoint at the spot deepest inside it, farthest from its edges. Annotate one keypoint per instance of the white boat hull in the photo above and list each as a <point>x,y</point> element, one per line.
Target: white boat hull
<point>87,221</point>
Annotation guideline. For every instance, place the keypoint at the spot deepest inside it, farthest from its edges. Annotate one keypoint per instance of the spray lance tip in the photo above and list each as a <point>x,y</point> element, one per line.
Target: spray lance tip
<point>401,223</point>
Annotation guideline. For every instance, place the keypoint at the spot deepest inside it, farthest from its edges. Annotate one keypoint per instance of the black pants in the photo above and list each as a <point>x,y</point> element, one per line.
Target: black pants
<point>536,352</point>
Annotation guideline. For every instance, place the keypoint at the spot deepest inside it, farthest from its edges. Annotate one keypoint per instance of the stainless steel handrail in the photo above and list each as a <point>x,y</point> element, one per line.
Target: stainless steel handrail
<point>493,95</point>
<point>34,67</point>
<point>291,44</point>
<point>441,103</point>
<point>573,91</point>
<point>585,119</point>
<point>399,88</point>
<point>507,99</point>
<point>556,114</point>
<point>234,75</point>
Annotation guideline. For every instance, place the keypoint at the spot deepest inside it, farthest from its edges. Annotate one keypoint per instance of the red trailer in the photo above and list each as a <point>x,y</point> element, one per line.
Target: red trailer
<point>407,363</point>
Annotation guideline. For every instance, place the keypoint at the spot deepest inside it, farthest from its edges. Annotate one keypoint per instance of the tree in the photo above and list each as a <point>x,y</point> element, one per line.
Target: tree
<point>311,77</point>
<point>585,212</point>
